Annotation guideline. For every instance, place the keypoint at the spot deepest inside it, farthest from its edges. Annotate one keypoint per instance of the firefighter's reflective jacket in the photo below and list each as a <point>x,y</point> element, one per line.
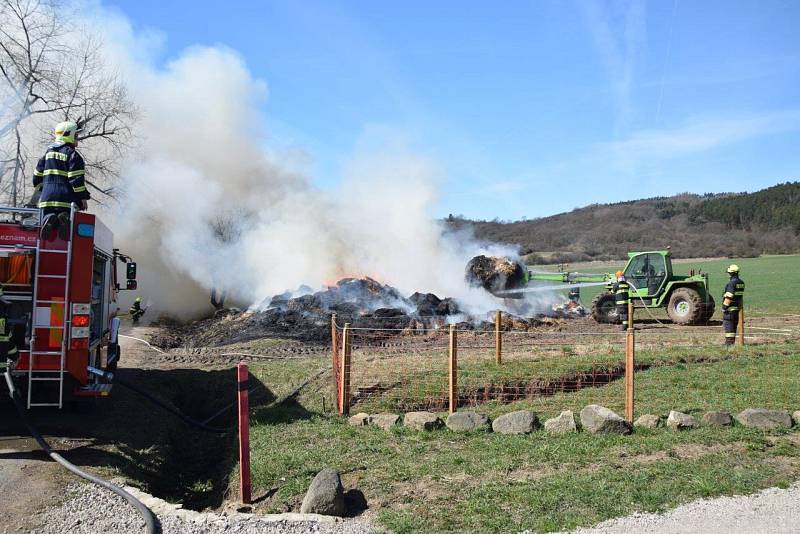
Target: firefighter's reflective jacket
<point>621,292</point>
<point>59,176</point>
<point>734,291</point>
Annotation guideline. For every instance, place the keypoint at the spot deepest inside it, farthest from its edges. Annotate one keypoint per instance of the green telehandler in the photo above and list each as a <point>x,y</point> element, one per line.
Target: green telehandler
<point>653,285</point>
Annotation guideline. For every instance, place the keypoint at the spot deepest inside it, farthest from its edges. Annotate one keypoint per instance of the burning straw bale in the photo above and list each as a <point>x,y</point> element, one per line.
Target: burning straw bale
<point>494,273</point>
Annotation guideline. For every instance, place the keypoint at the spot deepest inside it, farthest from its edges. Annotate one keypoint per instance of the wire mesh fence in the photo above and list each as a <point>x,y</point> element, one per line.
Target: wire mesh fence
<point>454,366</point>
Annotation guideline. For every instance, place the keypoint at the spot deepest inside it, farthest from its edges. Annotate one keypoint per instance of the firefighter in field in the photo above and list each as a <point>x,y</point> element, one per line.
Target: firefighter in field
<point>732,302</point>
<point>575,295</point>
<point>136,310</point>
<point>621,291</point>
<point>59,181</point>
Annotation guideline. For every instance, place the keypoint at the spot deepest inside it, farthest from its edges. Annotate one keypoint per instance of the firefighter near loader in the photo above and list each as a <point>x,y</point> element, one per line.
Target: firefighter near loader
<point>732,303</point>
<point>621,294</point>
<point>59,181</point>
<point>136,310</point>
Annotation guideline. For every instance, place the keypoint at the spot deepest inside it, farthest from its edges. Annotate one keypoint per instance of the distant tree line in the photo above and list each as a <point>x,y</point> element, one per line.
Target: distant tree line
<point>710,225</point>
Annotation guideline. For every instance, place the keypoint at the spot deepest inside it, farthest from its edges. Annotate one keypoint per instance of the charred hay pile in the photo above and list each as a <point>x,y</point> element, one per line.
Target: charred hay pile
<point>305,316</point>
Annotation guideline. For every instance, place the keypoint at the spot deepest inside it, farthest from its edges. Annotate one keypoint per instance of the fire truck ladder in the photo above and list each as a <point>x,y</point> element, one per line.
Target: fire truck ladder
<point>47,303</point>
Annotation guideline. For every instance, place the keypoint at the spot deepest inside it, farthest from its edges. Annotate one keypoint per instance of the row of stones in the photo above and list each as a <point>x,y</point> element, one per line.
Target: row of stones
<point>594,419</point>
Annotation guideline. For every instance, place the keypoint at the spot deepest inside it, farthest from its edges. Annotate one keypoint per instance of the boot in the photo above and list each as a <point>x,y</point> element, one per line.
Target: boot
<point>48,225</point>
<point>64,229</point>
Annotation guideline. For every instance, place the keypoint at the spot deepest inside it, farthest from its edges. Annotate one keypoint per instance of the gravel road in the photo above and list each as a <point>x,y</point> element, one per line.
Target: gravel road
<point>89,509</point>
<point>773,511</point>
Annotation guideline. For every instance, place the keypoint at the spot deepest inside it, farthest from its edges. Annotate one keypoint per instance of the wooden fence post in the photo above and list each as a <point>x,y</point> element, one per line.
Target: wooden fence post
<point>242,378</point>
<point>741,325</point>
<point>453,369</point>
<point>344,380</point>
<point>498,338</point>
<point>336,364</point>
<point>630,357</point>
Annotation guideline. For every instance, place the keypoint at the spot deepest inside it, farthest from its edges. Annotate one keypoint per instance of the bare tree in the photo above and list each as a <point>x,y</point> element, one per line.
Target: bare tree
<point>227,228</point>
<point>51,70</point>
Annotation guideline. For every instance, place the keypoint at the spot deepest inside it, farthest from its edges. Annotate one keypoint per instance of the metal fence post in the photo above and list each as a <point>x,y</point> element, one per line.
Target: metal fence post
<point>453,370</point>
<point>344,392</point>
<point>498,338</point>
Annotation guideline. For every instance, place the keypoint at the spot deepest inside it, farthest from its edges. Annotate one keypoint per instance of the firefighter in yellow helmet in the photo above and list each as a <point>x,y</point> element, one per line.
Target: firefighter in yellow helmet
<point>59,180</point>
<point>621,291</point>
<point>136,310</point>
<point>732,302</point>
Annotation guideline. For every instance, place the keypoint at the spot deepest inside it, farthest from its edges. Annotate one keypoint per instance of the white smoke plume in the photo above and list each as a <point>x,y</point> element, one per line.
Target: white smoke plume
<point>201,170</point>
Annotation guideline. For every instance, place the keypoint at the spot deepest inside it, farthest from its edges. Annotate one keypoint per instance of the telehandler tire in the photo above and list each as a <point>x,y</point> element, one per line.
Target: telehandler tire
<point>710,307</point>
<point>685,306</point>
<point>604,308</point>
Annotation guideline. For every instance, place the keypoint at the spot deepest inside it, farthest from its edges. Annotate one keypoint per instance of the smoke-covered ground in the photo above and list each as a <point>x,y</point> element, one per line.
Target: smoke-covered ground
<point>207,203</point>
<point>364,303</point>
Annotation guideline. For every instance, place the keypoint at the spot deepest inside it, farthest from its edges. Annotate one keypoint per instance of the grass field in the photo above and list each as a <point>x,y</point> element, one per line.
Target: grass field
<point>773,282</point>
<point>443,481</point>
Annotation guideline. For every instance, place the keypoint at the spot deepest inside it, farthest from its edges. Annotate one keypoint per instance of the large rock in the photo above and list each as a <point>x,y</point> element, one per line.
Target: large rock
<point>681,421</point>
<point>384,420</point>
<point>765,419</point>
<point>648,421</point>
<point>796,417</point>
<point>325,495</point>
<point>467,422</point>
<point>717,419</point>
<point>359,419</point>
<point>600,420</point>
<point>519,422</point>
<point>422,421</point>
<point>562,424</point>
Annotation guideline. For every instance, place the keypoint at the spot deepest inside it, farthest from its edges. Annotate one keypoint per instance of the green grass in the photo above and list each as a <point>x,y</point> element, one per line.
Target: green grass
<point>772,281</point>
<point>442,481</point>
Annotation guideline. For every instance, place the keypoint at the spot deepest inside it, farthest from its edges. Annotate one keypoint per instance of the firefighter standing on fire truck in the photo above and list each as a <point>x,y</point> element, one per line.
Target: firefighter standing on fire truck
<point>732,302</point>
<point>59,180</point>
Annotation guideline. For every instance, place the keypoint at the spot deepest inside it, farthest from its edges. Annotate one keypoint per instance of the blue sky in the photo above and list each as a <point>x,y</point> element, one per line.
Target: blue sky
<point>531,108</point>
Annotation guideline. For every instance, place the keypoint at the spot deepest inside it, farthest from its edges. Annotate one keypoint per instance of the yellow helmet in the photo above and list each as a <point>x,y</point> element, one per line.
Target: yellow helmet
<point>65,132</point>
<point>733,269</point>
<point>138,299</point>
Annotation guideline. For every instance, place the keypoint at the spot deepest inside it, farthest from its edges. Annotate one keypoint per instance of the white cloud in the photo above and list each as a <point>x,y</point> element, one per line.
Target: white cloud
<point>698,135</point>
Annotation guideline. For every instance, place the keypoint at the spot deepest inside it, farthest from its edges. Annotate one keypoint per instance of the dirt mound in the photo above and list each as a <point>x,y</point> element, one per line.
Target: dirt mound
<point>494,273</point>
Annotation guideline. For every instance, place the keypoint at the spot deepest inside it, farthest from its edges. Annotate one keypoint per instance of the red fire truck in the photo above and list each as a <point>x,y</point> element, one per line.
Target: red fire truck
<point>60,302</point>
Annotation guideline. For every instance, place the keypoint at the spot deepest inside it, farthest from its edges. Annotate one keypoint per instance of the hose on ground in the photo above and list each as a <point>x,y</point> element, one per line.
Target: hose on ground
<point>144,511</point>
<point>161,404</point>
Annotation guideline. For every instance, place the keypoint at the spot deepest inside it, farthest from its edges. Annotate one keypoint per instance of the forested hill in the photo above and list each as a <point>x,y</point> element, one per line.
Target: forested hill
<point>710,225</point>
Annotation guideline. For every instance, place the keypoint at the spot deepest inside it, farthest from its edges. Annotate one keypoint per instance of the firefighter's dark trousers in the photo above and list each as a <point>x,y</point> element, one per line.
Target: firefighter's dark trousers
<point>730,322</point>
<point>8,346</point>
<point>622,312</point>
